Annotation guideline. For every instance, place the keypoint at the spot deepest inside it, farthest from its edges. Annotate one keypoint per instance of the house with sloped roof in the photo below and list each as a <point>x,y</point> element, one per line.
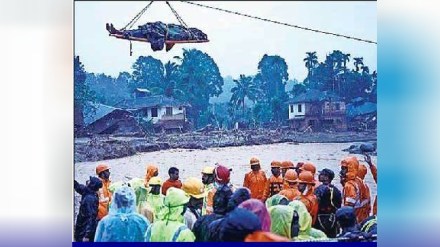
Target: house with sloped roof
<point>165,113</point>
<point>102,119</point>
<point>316,110</point>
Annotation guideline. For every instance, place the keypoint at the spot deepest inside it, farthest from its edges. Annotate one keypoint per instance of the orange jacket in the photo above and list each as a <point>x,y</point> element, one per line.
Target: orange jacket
<point>105,197</point>
<point>364,209</point>
<point>311,202</point>
<point>290,193</point>
<point>151,169</point>
<point>260,236</point>
<point>210,201</point>
<point>273,186</point>
<point>168,184</point>
<point>256,183</point>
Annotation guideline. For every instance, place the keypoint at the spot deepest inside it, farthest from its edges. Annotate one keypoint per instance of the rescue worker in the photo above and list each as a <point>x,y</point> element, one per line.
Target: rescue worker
<point>170,228</point>
<point>366,195</point>
<point>238,224</point>
<point>346,218</point>
<point>293,222</point>
<point>258,208</point>
<point>329,200</point>
<point>151,171</point>
<point>352,192</point>
<point>155,199</point>
<point>292,191</point>
<point>221,200</point>
<point>123,223</point>
<point>193,188</point>
<point>285,165</point>
<point>255,180</point>
<point>307,196</point>
<point>105,196</point>
<point>239,196</point>
<point>208,182</point>
<point>276,200</point>
<point>373,169</point>
<point>221,177</point>
<point>173,181</point>
<point>308,166</point>
<point>369,225</point>
<point>275,183</point>
<point>85,225</point>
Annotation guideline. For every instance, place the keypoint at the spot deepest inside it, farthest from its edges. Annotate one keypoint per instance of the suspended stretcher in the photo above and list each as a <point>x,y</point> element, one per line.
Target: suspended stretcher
<point>158,34</point>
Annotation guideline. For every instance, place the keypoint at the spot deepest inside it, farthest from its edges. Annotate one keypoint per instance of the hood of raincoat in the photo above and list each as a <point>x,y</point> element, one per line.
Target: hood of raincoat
<point>274,200</point>
<point>115,185</point>
<point>174,204</point>
<point>305,219</point>
<point>151,169</point>
<point>94,183</point>
<point>258,208</point>
<point>238,224</point>
<point>221,199</point>
<point>352,165</point>
<point>362,171</point>
<point>124,201</point>
<point>239,196</point>
<point>281,220</point>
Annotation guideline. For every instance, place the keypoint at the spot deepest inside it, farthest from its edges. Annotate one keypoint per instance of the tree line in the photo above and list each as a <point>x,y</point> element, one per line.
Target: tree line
<point>256,100</point>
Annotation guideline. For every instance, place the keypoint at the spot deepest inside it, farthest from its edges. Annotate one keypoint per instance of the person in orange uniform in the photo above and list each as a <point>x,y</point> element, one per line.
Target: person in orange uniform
<point>173,181</point>
<point>352,191</point>
<point>306,183</point>
<point>373,169</point>
<point>286,165</point>
<point>275,183</point>
<point>222,177</point>
<point>255,180</point>
<point>152,171</point>
<point>292,191</point>
<point>105,196</point>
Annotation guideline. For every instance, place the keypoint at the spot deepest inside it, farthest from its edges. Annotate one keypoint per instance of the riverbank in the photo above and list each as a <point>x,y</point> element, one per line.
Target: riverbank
<point>112,147</point>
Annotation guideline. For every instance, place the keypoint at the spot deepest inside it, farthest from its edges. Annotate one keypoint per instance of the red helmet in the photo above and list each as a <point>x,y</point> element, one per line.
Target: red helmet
<point>222,174</point>
<point>100,168</point>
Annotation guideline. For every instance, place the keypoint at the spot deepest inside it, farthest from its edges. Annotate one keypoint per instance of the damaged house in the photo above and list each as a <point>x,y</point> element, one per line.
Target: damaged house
<point>361,115</point>
<point>315,111</point>
<point>102,119</point>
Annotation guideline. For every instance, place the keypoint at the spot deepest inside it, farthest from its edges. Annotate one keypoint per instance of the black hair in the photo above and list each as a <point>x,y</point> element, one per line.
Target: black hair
<point>172,170</point>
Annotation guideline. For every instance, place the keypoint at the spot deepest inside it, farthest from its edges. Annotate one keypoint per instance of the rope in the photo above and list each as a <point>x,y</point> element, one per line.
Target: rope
<point>136,18</point>
<point>181,21</point>
<point>283,23</point>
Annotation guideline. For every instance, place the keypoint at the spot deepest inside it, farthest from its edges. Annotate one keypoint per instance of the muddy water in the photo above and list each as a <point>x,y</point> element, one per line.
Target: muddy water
<point>191,162</point>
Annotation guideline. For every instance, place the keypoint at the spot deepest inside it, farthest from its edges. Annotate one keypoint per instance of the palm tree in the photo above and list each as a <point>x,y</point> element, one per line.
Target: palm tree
<point>168,86</point>
<point>311,60</point>
<point>245,88</point>
<point>358,61</point>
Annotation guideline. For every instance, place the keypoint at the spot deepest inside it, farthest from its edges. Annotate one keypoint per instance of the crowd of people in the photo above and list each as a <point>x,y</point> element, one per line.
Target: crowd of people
<point>293,204</point>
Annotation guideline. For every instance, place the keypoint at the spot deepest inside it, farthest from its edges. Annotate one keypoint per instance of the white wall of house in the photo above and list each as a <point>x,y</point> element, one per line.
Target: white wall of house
<point>161,111</point>
<point>297,110</point>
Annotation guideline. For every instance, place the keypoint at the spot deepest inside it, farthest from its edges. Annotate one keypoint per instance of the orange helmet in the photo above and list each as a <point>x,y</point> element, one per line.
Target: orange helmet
<point>275,164</point>
<point>308,166</point>
<point>306,177</point>
<point>362,171</point>
<point>291,176</point>
<point>254,161</point>
<point>100,168</point>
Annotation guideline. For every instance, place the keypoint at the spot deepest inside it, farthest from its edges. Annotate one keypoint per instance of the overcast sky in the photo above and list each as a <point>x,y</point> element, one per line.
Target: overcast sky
<point>236,43</point>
